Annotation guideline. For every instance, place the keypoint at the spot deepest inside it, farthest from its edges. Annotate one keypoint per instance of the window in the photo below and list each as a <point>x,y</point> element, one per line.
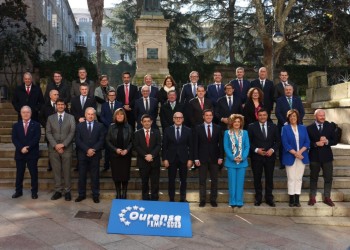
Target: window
<point>93,39</point>
<point>110,40</point>
<point>83,20</point>
<point>44,8</point>
<point>81,38</point>
<point>54,20</point>
<point>58,3</point>
<point>49,13</point>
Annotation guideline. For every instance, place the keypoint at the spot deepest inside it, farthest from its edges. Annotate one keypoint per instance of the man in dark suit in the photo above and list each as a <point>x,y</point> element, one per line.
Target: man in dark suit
<point>82,78</point>
<point>226,106</point>
<point>279,87</point>
<point>188,92</point>
<point>208,154</point>
<point>322,137</point>
<point>240,85</point>
<point>59,85</point>
<point>107,111</point>
<point>127,94</point>
<point>60,129</point>
<point>81,102</point>
<point>267,87</point>
<point>264,140</point>
<point>196,107</point>
<point>147,144</point>
<point>30,95</point>
<point>153,90</point>
<point>215,90</point>
<point>177,155</point>
<point>89,139</point>
<point>146,105</point>
<point>26,136</point>
<point>169,108</point>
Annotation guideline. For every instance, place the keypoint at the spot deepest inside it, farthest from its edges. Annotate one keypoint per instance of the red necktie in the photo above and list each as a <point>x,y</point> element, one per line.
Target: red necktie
<point>201,103</point>
<point>26,128</point>
<point>126,94</point>
<point>28,90</point>
<point>209,135</point>
<point>147,138</point>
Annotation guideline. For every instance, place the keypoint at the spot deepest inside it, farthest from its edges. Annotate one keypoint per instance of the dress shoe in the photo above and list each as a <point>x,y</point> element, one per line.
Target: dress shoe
<point>96,199</point>
<point>183,200</point>
<point>296,200</point>
<point>213,204</point>
<point>34,196</point>
<point>202,204</point>
<point>80,198</point>
<point>16,195</point>
<point>68,196</point>
<point>56,196</point>
<point>271,203</point>
<point>312,201</point>
<point>328,201</point>
<point>257,203</point>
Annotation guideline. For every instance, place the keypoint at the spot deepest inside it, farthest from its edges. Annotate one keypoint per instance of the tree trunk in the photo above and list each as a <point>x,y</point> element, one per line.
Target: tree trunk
<point>231,16</point>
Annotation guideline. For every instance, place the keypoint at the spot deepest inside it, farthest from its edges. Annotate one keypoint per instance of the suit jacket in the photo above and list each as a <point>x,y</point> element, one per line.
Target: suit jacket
<point>63,91</point>
<point>84,140</point>
<point>289,143</point>
<point>140,111</point>
<point>268,91</point>
<point>222,109</point>
<point>153,94</point>
<point>282,107</point>
<point>229,161</point>
<point>279,89</point>
<point>77,111</point>
<point>75,89</point>
<point>206,151</point>
<point>249,112</point>
<point>242,94</point>
<point>321,154</point>
<point>186,93</point>
<point>101,97</point>
<point>57,134</point>
<point>213,94</point>
<point>45,112</point>
<point>195,112</point>
<point>31,139</point>
<point>141,148</point>
<point>257,140</point>
<point>133,94</point>
<point>166,113</point>
<point>107,114</point>
<point>163,95</point>
<point>34,100</point>
<point>173,150</point>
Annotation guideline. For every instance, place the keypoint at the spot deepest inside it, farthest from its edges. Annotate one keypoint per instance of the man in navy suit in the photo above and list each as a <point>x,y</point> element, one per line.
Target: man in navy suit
<point>146,105</point>
<point>30,95</point>
<point>208,154</point>
<point>127,94</point>
<point>196,107</point>
<point>215,90</point>
<point>177,155</point>
<point>322,137</point>
<point>279,88</point>
<point>283,105</point>
<point>81,102</point>
<point>226,106</point>
<point>267,87</point>
<point>89,139</point>
<point>169,108</point>
<point>240,85</point>
<point>147,144</point>
<point>265,139</point>
<point>153,90</point>
<point>188,92</point>
<point>107,112</point>
<point>26,136</point>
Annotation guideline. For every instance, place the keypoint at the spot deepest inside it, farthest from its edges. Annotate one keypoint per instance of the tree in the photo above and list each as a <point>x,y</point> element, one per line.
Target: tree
<point>96,12</point>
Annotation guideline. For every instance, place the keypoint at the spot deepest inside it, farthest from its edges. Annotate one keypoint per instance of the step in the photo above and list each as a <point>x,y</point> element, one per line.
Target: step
<point>8,118</point>
<point>7,124</point>
<point>6,105</point>
<point>306,116</point>
<point>8,111</point>
<point>8,139</point>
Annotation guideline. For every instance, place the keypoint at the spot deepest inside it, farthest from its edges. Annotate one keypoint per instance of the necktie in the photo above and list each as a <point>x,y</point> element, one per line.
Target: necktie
<point>262,84</point>
<point>240,85</point>
<point>320,128</point>
<point>178,133</point>
<point>26,124</point>
<point>201,103</point>
<point>194,89</point>
<point>126,94</point>
<point>83,102</point>
<point>229,102</point>
<point>285,84</point>
<point>112,107</point>
<point>290,102</point>
<point>147,105</point>
<point>28,90</point>
<point>209,134</point>
<point>89,128</point>
<point>218,88</point>
<point>263,130</point>
<point>172,105</point>
<point>147,138</point>
<point>60,120</point>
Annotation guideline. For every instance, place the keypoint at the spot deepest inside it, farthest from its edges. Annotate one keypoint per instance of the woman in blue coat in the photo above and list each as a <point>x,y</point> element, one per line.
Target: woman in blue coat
<point>296,143</point>
<point>236,146</point>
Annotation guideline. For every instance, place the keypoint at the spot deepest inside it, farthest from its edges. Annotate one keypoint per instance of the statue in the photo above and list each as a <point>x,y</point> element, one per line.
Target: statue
<point>151,5</point>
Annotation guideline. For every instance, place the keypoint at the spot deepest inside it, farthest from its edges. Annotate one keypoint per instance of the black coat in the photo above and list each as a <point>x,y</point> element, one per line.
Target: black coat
<point>269,92</point>
<point>77,111</point>
<point>63,91</point>
<point>195,112</point>
<point>249,112</point>
<point>166,113</point>
<point>222,109</point>
<point>112,137</point>
<point>141,148</point>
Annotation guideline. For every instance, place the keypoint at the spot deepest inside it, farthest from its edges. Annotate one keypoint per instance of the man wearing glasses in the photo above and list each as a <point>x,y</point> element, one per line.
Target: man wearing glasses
<point>177,155</point>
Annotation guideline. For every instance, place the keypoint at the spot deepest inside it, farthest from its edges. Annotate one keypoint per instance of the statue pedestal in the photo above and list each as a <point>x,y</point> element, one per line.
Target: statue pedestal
<point>151,48</point>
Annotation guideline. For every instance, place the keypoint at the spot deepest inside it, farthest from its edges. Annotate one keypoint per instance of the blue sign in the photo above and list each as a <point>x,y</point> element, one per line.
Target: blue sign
<point>150,218</point>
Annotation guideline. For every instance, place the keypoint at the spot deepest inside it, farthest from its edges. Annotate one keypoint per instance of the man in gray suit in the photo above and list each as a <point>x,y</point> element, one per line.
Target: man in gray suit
<point>60,130</point>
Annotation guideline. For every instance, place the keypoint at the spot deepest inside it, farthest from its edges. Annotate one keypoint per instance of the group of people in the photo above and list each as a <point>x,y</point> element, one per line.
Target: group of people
<point>202,128</point>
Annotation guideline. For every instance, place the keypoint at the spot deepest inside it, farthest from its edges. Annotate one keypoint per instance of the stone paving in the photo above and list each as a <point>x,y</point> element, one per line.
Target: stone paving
<point>46,224</point>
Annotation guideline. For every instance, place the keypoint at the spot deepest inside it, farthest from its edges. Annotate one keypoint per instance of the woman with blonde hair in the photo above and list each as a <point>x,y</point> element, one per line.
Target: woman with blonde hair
<point>236,146</point>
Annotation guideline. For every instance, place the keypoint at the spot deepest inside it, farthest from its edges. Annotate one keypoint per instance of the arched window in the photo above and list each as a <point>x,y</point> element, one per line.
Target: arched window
<point>83,20</point>
<point>81,38</point>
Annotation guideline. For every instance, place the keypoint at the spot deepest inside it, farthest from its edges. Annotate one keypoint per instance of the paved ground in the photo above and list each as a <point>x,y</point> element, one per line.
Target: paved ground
<point>46,224</point>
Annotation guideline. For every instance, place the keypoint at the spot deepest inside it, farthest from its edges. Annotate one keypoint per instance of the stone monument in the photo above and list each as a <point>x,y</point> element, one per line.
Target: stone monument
<point>151,45</point>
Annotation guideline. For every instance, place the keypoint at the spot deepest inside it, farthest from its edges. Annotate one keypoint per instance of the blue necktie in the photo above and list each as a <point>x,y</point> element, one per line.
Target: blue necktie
<point>229,102</point>
<point>60,121</point>
<point>178,134</point>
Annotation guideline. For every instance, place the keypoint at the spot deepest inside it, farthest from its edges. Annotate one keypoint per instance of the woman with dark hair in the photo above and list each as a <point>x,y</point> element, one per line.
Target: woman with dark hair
<point>296,142</point>
<point>253,104</point>
<point>168,84</point>
<point>119,142</point>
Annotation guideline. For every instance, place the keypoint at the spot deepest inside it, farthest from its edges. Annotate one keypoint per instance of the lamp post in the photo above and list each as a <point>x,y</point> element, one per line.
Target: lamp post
<point>277,37</point>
